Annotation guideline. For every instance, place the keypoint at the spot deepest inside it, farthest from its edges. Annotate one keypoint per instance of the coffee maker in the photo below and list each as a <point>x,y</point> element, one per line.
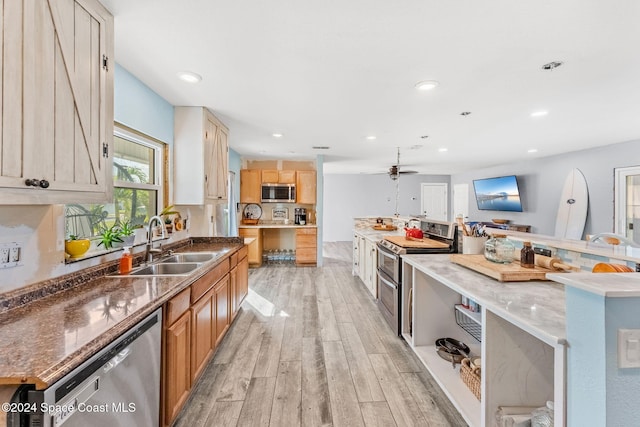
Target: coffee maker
<point>300,216</point>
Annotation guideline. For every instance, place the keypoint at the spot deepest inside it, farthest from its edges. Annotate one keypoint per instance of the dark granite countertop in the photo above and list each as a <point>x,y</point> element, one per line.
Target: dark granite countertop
<point>45,339</point>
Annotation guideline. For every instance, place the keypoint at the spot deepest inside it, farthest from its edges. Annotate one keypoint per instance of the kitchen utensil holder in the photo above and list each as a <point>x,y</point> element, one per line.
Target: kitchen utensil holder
<point>469,321</point>
<point>470,376</point>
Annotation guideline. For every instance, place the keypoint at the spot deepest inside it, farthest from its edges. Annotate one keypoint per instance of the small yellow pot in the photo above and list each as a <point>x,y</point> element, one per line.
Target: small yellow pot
<point>77,248</point>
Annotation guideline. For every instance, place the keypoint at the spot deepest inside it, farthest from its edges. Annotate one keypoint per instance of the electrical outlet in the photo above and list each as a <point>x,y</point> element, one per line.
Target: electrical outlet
<point>14,254</point>
<point>4,255</point>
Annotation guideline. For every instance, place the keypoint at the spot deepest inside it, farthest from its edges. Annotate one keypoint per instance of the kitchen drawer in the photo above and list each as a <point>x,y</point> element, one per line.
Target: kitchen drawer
<point>306,255</point>
<point>243,252</point>
<point>202,285</point>
<point>306,231</point>
<point>177,306</point>
<point>306,241</point>
<point>233,259</point>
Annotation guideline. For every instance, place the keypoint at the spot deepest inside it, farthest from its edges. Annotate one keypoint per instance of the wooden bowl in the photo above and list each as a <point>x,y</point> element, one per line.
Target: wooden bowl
<point>605,267</point>
<point>500,221</point>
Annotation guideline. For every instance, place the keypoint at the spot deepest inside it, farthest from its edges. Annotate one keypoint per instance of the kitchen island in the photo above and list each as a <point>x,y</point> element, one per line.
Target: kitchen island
<point>523,335</point>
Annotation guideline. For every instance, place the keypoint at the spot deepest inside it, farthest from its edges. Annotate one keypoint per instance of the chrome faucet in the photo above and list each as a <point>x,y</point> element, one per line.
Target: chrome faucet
<point>150,250</point>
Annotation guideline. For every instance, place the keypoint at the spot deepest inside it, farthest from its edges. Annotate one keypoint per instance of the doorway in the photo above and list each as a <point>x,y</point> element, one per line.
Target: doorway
<point>627,202</point>
<point>434,200</point>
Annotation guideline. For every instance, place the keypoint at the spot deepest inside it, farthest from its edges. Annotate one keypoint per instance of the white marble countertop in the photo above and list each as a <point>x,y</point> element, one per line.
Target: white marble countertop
<point>537,307</point>
<point>626,253</point>
<point>611,285</point>
<point>376,235</point>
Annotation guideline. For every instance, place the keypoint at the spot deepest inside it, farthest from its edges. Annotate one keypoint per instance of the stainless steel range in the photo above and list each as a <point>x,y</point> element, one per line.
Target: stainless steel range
<point>439,237</point>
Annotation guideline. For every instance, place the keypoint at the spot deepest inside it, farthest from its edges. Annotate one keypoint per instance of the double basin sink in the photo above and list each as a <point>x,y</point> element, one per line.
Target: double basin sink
<point>180,264</point>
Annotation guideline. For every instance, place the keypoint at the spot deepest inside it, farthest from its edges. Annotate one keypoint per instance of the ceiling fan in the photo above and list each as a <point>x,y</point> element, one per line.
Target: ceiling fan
<point>395,172</point>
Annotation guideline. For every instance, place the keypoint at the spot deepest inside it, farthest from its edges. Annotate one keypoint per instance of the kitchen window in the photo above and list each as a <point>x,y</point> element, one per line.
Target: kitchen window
<point>137,187</point>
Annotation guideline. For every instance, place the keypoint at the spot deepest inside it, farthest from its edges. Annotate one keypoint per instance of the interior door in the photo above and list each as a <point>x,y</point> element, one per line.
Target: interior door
<point>461,200</point>
<point>434,200</point>
<point>627,202</point>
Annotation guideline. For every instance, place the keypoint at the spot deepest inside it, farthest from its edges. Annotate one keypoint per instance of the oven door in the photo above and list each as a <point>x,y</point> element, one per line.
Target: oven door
<point>388,292</point>
<point>389,263</point>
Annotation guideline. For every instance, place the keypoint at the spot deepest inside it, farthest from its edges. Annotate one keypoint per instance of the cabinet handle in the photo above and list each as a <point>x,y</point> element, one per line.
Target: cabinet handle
<point>42,183</point>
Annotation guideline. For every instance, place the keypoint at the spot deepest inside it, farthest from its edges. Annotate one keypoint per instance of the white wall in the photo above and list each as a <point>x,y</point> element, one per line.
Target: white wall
<point>349,196</point>
<point>541,181</point>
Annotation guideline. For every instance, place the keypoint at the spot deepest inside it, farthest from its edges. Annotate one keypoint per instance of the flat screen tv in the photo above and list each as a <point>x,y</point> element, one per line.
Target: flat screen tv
<point>498,194</point>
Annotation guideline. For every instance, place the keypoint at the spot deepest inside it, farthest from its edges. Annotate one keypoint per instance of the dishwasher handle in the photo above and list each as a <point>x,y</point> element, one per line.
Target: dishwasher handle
<point>116,360</point>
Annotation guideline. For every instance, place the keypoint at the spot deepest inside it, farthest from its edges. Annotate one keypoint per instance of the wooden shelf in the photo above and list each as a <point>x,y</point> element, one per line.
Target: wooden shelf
<point>451,384</point>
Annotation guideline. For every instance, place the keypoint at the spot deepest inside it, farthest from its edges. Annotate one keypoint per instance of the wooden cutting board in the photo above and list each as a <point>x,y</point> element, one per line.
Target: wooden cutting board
<point>424,243</point>
<point>502,272</point>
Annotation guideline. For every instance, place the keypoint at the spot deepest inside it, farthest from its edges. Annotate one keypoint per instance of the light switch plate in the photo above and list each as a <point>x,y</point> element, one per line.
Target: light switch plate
<point>628,348</point>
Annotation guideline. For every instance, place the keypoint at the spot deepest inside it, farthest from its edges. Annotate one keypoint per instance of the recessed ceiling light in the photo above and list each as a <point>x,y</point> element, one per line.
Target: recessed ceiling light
<point>371,137</point>
<point>277,135</point>
<point>532,150</point>
<point>442,150</point>
<point>465,113</point>
<point>189,77</point>
<point>539,113</point>
<point>424,136</point>
<point>320,147</point>
<point>427,85</point>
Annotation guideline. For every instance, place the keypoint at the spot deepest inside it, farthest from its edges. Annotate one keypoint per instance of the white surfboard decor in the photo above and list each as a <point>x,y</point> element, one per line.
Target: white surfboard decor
<point>572,212</point>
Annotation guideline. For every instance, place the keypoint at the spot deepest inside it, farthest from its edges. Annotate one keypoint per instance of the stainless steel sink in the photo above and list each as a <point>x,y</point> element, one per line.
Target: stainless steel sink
<point>191,257</point>
<point>166,269</point>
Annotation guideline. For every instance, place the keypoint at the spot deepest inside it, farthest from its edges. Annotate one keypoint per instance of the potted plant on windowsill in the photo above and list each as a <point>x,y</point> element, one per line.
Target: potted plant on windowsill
<point>76,246</point>
<point>166,215</point>
<point>110,236</point>
<point>126,233</point>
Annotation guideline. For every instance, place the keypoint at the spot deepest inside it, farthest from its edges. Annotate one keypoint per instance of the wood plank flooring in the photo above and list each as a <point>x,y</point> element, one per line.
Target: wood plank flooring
<point>309,348</point>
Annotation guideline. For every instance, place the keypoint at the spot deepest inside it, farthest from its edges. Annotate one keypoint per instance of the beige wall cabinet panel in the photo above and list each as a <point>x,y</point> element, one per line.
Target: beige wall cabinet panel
<point>250,188</point>
<point>200,156</point>
<point>306,187</point>
<point>56,121</point>
<point>272,176</point>
<point>269,176</point>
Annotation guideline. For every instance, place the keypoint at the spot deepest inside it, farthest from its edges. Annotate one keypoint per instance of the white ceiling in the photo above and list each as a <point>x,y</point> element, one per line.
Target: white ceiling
<point>331,73</point>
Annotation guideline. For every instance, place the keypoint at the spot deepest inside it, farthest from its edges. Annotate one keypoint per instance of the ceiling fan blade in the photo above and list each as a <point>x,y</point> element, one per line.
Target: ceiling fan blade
<point>407,172</point>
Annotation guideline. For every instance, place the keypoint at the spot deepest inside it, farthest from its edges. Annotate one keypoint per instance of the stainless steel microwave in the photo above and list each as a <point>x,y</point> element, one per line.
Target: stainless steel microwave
<point>279,193</point>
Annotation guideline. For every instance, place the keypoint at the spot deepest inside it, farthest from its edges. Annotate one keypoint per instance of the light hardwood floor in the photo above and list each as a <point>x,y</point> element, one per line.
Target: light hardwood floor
<point>309,348</point>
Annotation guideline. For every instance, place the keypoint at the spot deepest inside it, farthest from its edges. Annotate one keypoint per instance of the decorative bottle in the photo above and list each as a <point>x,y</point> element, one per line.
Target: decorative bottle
<point>527,256</point>
<point>499,249</point>
<point>126,262</point>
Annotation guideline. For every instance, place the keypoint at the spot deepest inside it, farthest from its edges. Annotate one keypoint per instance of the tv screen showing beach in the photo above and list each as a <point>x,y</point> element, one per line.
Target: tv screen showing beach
<point>498,194</point>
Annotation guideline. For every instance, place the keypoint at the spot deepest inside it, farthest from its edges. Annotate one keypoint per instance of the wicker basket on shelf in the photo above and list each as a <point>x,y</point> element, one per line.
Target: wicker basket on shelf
<point>470,376</point>
<point>250,221</point>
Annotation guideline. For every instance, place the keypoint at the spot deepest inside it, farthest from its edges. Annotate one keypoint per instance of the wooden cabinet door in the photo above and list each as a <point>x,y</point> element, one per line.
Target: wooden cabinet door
<point>306,245</point>
<point>242,280</point>
<point>56,121</point>
<point>286,177</point>
<point>255,247</point>
<point>202,324</point>
<point>233,291</point>
<point>306,187</point>
<point>250,186</point>
<point>269,176</point>
<point>222,302</point>
<point>177,378</point>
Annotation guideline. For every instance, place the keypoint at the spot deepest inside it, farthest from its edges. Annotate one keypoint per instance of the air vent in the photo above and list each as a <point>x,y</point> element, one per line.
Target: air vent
<point>320,147</point>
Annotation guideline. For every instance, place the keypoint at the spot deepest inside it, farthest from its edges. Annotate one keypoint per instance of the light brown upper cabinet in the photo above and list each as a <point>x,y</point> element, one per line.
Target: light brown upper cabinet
<point>306,187</point>
<point>56,121</point>
<point>250,186</point>
<point>201,156</point>
<point>278,176</point>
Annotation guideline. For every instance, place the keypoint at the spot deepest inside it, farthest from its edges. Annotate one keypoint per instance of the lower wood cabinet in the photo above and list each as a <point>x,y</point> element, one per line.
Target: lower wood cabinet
<point>306,245</point>
<point>177,372</point>
<point>195,321</point>
<point>255,247</point>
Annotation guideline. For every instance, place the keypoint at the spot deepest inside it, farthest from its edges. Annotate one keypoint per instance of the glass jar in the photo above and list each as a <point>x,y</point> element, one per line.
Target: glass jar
<point>499,249</point>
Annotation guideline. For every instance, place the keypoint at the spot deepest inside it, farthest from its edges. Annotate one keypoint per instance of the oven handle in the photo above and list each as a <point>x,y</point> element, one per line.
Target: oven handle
<point>385,252</point>
<point>386,282</point>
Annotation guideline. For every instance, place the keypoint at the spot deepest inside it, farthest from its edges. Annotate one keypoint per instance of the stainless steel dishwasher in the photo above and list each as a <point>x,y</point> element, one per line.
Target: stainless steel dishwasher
<point>118,386</point>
